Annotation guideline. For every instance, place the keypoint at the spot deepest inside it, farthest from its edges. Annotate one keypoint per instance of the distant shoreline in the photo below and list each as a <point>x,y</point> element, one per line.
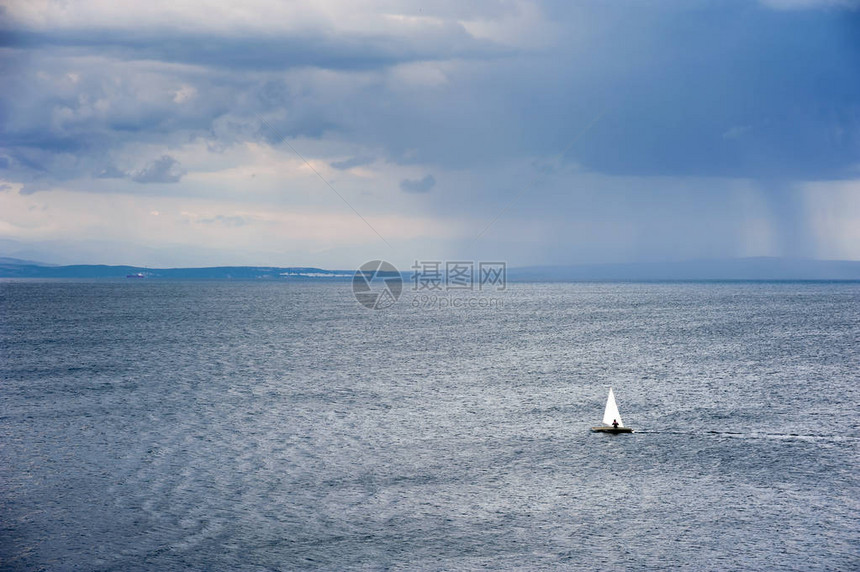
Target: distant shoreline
<point>723,270</point>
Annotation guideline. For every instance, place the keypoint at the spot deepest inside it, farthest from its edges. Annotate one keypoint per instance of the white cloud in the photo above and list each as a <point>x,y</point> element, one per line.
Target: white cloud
<point>419,75</point>
<point>234,228</point>
<point>522,24</point>
<point>184,93</point>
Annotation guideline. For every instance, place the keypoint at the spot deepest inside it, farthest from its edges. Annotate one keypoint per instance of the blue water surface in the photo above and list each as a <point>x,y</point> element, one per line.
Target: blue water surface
<point>152,425</point>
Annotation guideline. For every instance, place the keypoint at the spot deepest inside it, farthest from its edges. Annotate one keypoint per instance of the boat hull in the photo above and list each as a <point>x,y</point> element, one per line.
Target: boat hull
<point>613,430</point>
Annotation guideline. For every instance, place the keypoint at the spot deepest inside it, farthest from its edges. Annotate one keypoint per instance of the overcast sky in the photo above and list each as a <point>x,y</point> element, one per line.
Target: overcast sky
<point>327,133</point>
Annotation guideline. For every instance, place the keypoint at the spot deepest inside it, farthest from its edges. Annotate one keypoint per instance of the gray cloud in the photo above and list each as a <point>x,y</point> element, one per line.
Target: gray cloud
<point>677,89</point>
<point>418,185</point>
<point>165,169</point>
<point>667,94</point>
<point>225,220</point>
<point>29,189</point>
<point>297,49</point>
<point>111,172</point>
<point>352,162</point>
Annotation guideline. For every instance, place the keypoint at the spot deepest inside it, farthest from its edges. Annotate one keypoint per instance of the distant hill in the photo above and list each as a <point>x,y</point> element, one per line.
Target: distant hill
<point>9,268</point>
<point>726,269</point>
<point>18,261</point>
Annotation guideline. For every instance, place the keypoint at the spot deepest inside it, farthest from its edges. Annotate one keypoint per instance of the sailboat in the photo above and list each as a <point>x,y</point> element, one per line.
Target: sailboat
<point>611,418</point>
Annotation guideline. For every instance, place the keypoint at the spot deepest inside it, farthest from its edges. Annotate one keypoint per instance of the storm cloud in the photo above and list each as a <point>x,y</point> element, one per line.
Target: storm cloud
<point>544,119</point>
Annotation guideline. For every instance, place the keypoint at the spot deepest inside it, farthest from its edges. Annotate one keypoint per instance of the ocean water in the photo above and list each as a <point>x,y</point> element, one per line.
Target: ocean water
<point>262,426</point>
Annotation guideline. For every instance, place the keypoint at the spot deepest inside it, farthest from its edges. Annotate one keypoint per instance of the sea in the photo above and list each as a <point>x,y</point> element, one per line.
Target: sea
<point>218,425</point>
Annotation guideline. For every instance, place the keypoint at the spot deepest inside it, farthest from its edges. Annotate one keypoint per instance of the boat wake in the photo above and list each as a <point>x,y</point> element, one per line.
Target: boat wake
<point>758,435</point>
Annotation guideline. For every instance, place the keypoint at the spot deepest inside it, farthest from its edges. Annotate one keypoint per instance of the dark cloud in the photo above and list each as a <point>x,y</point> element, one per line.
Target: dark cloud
<point>680,88</point>
<point>701,89</point>
<point>418,185</point>
<point>726,91</point>
<point>259,52</point>
<point>31,159</point>
<point>165,169</point>
<point>667,82</point>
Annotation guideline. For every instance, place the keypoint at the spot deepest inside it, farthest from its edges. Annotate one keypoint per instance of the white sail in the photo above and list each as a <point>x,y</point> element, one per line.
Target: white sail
<point>611,413</point>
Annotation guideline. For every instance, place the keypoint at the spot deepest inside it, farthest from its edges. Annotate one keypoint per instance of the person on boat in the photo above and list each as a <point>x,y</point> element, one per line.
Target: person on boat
<point>615,423</point>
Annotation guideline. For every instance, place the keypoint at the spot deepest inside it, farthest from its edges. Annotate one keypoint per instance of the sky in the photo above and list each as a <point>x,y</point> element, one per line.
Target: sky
<point>329,133</point>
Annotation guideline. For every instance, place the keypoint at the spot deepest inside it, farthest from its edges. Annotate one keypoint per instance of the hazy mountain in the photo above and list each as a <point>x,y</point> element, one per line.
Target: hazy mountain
<point>728,269</point>
<point>724,269</point>
<point>26,269</point>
